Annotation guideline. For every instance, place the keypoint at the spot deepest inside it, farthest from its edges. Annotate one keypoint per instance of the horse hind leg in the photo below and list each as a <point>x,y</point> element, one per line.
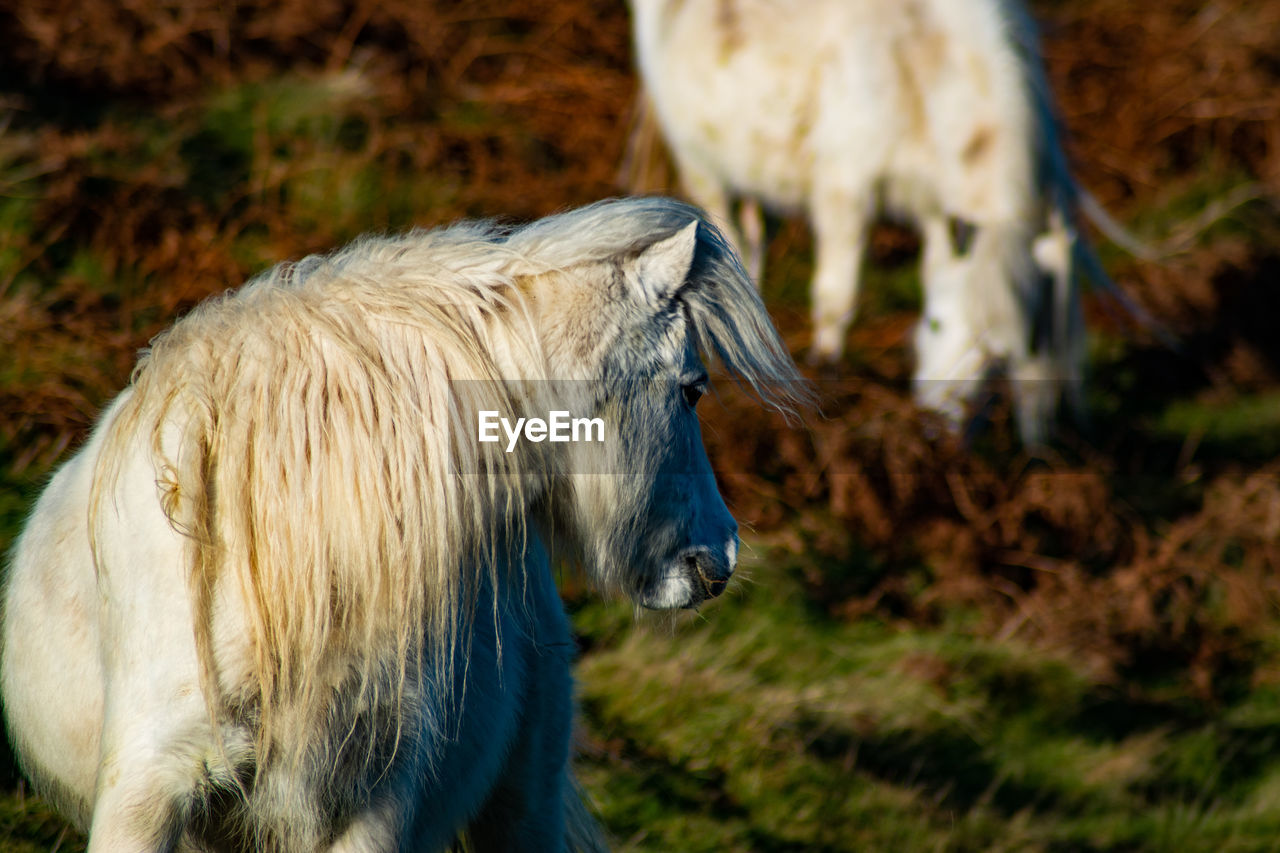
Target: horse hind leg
<point>165,780</point>
<point>840,222</point>
<point>160,754</point>
<point>146,794</point>
<point>706,190</point>
<point>51,665</point>
<point>751,227</point>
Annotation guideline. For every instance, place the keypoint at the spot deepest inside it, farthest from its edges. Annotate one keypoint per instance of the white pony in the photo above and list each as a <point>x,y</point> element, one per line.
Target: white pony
<point>937,110</point>
<point>285,599</point>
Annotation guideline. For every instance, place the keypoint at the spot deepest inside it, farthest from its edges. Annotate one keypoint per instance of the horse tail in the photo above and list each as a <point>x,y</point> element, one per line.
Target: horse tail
<point>1091,266</point>
<point>1092,209</point>
<point>1066,199</point>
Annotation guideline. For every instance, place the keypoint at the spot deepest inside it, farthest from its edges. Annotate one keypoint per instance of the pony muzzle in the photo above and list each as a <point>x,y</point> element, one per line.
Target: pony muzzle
<point>708,571</point>
<point>693,576</point>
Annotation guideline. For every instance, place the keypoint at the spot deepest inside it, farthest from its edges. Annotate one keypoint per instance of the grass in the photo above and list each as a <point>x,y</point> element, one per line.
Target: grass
<point>1246,425</point>
<point>759,727</point>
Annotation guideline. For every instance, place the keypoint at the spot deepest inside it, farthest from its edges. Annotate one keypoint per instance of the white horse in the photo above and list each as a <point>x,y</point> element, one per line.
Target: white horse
<point>285,599</point>
<point>936,110</point>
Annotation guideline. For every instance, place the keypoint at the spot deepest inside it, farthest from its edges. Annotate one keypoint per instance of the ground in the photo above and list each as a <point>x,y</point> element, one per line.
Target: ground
<point>934,645</point>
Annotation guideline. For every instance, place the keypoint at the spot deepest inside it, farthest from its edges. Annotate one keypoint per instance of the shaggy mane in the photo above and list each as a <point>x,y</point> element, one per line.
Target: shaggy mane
<point>308,433</point>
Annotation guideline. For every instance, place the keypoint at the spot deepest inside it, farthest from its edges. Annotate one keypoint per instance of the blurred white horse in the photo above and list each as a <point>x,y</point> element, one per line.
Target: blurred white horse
<point>936,110</point>
<point>284,599</point>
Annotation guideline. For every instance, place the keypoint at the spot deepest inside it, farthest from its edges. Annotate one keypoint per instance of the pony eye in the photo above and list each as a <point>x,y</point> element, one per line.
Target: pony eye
<point>693,392</point>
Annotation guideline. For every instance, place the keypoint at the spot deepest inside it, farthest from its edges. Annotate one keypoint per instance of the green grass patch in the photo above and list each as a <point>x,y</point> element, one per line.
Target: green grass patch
<point>757,727</point>
<point>1244,426</point>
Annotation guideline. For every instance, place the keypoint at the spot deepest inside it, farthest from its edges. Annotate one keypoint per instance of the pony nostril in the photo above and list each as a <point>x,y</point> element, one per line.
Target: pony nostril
<point>714,578</point>
<point>713,588</point>
<point>707,569</point>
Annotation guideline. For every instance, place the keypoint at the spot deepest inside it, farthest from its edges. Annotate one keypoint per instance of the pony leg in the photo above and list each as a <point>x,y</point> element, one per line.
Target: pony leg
<point>949,356</point>
<point>526,809</point>
<point>131,818</point>
<point>747,235</point>
<point>145,791</point>
<point>751,225</point>
<point>158,744</point>
<point>1041,368</point>
<point>158,748</point>
<point>840,222</point>
<point>936,252</point>
<point>375,831</point>
<point>709,192</point>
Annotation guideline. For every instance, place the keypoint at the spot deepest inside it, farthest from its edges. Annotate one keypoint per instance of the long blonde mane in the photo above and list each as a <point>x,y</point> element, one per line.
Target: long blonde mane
<point>308,436</point>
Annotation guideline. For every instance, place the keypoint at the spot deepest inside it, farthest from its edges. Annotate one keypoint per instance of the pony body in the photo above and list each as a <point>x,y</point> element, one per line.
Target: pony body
<point>284,600</point>
<point>935,110</point>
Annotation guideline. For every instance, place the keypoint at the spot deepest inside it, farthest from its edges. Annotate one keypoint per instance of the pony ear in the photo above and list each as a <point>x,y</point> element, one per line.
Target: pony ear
<point>662,269</point>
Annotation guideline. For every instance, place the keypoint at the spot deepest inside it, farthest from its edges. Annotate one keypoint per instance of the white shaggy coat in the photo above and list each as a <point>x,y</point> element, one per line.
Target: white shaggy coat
<point>935,110</point>
<point>283,599</point>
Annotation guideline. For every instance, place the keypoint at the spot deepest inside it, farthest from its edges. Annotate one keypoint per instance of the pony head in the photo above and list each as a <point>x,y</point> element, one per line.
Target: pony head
<point>627,337</point>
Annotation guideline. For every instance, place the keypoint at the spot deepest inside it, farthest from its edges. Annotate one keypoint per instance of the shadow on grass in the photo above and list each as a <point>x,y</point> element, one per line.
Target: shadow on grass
<point>947,765</point>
